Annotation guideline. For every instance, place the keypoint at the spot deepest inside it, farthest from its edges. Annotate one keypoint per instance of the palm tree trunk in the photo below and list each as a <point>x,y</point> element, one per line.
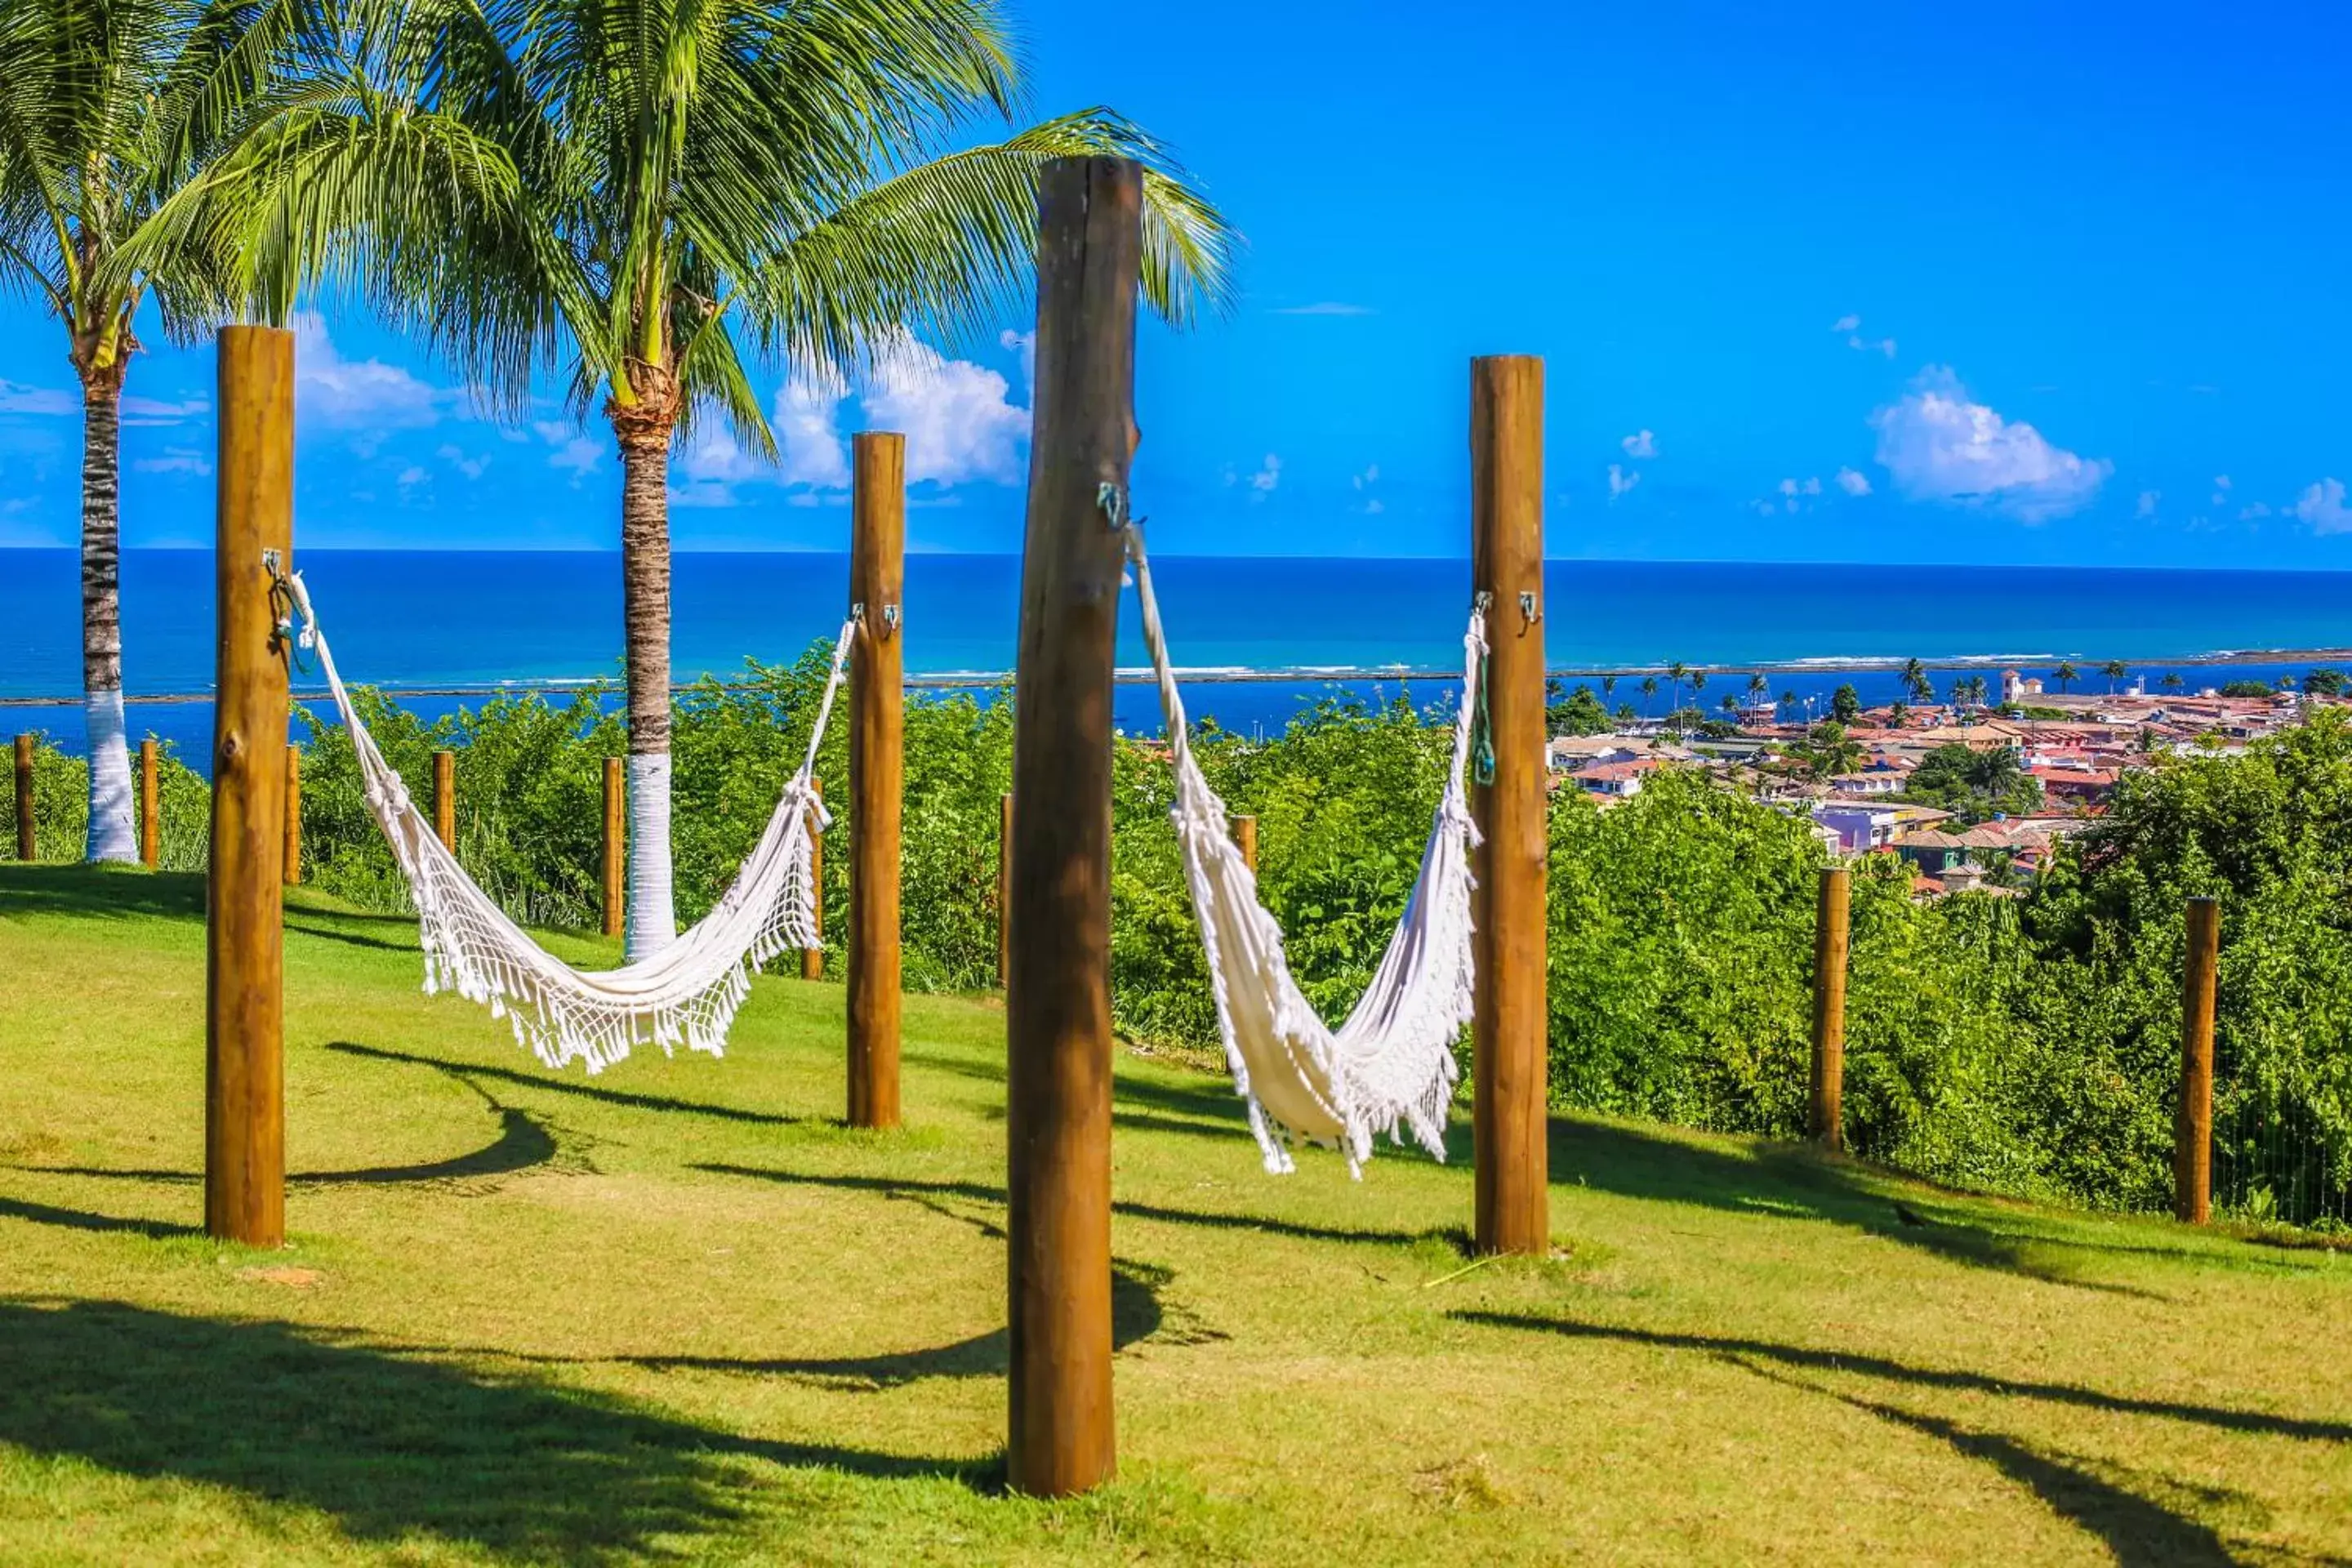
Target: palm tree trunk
<point>645,593</point>
<point>112,832</point>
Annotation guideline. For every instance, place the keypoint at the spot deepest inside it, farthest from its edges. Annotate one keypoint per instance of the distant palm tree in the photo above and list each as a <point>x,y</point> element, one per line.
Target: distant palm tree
<point>1898,715</point>
<point>111,110</point>
<point>2172,682</point>
<point>1915,681</point>
<point>2115,669</point>
<point>1608,686</point>
<point>1649,690</point>
<point>2064,675</point>
<point>658,194</point>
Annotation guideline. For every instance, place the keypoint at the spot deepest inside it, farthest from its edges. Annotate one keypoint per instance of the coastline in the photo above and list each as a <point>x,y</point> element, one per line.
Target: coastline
<point>1296,675</point>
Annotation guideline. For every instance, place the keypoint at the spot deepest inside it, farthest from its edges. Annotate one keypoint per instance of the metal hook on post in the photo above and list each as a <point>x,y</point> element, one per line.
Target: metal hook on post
<point>1529,614</point>
<point>889,620</point>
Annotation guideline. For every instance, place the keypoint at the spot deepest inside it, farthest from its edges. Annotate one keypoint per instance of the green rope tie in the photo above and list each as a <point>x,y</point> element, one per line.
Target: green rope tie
<point>1482,733</point>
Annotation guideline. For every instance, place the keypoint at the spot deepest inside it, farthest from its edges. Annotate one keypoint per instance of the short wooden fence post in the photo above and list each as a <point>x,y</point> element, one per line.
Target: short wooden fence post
<point>151,828</point>
<point>616,843</point>
<point>2193,1126</point>
<point>25,849</point>
<point>445,799</point>
<point>812,958</point>
<point>1830,931</point>
<point>293,815</point>
<point>1245,839</point>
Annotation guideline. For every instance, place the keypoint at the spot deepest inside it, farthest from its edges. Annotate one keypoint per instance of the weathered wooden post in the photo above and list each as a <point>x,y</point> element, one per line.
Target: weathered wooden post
<point>445,799</point>
<point>812,958</point>
<point>616,844</point>
<point>1245,839</point>
<point>1057,1000</point>
<point>1510,1030</point>
<point>293,815</point>
<point>1826,1121</point>
<point>25,849</point>
<point>1005,892</point>
<point>878,548</point>
<point>150,827</point>
<point>2192,1125</point>
<point>245,1089</point>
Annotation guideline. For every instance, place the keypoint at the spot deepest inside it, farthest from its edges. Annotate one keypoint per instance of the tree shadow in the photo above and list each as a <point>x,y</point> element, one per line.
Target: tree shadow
<point>392,1446</point>
<point>907,1187</point>
<point>311,928</point>
<point>524,1143</point>
<point>1924,1377</point>
<point>556,1085</point>
<point>1791,1181</point>
<point>103,892</point>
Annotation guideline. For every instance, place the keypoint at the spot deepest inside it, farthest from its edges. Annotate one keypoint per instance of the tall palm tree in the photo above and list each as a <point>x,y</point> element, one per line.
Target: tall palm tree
<point>2065,674</point>
<point>658,194</point>
<point>1649,690</point>
<point>1915,681</point>
<point>1898,714</point>
<point>109,110</point>
<point>2115,669</point>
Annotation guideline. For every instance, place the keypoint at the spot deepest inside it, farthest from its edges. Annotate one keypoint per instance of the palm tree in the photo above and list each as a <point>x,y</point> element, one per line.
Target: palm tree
<point>1915,681</point>
<point>108,110</point>
<point>1757,688</point>
<point>1608,687</point>
<point>2115,669</point>
<point>1898,715</point>
<point>2064,675</point>
<point>1649,690</point>
<point>658,195</point>
<point>2172,682</point>
<point>1674,673</point>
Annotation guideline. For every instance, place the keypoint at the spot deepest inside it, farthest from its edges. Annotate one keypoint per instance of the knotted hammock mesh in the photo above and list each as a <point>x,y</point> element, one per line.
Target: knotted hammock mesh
<point>1391,1066</point>
<point>688,991</point>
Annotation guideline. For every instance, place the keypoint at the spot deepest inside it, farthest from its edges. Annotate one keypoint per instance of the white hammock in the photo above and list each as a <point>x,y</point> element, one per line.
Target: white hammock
<point>1390,1066</point>
<point>688,991</point>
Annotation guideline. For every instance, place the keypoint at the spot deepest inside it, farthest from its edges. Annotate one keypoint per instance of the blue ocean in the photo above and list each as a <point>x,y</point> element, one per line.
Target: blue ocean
<point>430,621</point>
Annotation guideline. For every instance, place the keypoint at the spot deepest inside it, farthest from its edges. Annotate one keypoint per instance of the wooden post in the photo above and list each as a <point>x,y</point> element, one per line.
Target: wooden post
<point>293,815</point>
<point>1005,892</point>
<point>151,826</point>
<point>1827,1121</point>
<point>1510,1031</point>
<point>1245,837</point>
<point>25,849</point>
<point>812,958</point>
<point>244,1089</point>
<point>616,842</point>
<point>878,548</point>
<point>2192,1125</point>
<point>1057,1003</point>
<point>445,799</point>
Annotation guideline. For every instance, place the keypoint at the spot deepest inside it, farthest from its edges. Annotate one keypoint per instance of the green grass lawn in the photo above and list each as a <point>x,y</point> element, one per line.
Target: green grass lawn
<point>678,1311</point>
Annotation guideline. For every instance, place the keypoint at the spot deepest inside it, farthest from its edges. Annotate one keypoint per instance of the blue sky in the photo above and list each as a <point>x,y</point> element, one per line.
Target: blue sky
<point>2005,283</point>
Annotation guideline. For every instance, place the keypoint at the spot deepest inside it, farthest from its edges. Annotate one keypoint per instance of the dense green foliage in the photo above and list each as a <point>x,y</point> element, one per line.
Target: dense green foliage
<point>1974,784</point>
<point>2029,1045</point>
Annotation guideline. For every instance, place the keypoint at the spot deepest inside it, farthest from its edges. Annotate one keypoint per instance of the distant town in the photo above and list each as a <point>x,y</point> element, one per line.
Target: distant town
<point>1972,790</point>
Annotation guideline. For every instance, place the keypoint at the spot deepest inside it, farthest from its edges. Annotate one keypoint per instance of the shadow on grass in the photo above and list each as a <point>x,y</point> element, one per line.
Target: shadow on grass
<point>81,1219</point>
<point>390,1445</point>
<point>102,892</point>
<point>555,1085</point>
<point>524,1143</point>
<point>1743,1351</point>
<point>903,1187</point>
<point>1790,1180</point>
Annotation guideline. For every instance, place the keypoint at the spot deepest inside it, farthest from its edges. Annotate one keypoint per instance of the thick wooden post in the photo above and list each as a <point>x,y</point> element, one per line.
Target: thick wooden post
<point>293,815</point>
<point>2192,1125</point>
<point>1827,1121</point>
<point>877,549</point>
<point>616,844</point>
<point>1245,839</point>
<point>244,1089</point>
<point>24,845</point>
<point>1511,1029</point>
<point>1005,892</point>
<point>445,799</point>
<point>812,958</point>
<point>1057,1004</point>
<point>151,826</point>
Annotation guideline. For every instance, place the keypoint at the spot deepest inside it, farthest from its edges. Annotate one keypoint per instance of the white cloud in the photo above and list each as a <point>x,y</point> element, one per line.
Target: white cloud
<point>412,476</point>
<point>465,462</point>
<point>1851,325</point>
<point>572,450</point>
<point>1941,445</point>
<point>2221,489</point>
<point>1846,323</point>
<point>1366,480</point>
<point>15,397</point>
<point>1324,307</point>
<point>1025,345</point>
<point>152,411</point>
<point>2146,506</point>
<point>174,461</point>
<point>2253,509</point>
<point>808,443</point>
<point>959,421</point>
<point>1852,482</point>
<point>1269,474</point>
<point>1622,481</point>
<point>2321,506</point>
<point>344,394</point>
<point>1641,444</point>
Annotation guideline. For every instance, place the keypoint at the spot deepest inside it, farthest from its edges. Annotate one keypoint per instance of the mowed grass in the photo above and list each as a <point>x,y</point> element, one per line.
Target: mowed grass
<point>677,1312</point>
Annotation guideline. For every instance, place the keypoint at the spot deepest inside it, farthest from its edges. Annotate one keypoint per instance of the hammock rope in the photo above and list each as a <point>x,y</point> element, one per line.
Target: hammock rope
<point>687,992</point>
<point>1391,1066</point>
